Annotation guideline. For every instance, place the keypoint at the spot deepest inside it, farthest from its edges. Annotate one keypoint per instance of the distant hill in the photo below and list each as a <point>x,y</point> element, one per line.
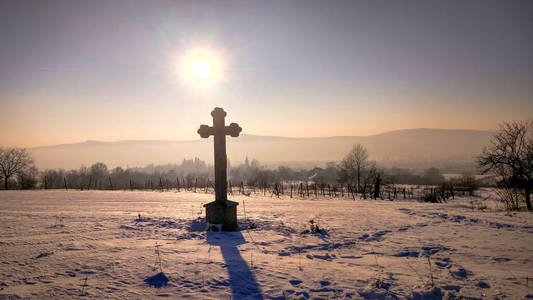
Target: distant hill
<point>407,148</point>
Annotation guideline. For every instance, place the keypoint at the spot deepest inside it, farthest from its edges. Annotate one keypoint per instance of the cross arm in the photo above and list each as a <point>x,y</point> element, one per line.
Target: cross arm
<point>205,131</point>
<point>233,130</point>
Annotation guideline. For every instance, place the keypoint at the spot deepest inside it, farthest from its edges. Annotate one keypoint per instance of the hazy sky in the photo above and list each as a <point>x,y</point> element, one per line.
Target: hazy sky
<point>72,71</point>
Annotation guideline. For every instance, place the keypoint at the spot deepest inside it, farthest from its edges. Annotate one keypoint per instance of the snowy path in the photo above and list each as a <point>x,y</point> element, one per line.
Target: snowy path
<point>51,242</point>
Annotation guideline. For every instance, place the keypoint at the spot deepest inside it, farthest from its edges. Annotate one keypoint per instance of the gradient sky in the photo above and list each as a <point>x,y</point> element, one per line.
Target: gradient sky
<point>72,71</point>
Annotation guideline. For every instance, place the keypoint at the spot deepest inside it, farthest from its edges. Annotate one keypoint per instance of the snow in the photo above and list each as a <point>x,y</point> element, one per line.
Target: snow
<point>92,244</point>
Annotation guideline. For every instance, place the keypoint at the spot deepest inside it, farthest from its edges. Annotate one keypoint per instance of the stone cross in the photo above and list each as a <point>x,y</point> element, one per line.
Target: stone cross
<point>221,211</point>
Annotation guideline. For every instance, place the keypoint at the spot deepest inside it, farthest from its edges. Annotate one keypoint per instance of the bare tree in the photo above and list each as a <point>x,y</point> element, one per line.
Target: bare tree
<point>510,156</point>
<point>27,178</point>
<point>353,165</point>
<point>99,174</point>
<point>13,161</point>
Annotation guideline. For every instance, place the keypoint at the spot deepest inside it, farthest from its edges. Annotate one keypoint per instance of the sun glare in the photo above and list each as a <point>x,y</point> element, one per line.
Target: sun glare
<point>201,68</point>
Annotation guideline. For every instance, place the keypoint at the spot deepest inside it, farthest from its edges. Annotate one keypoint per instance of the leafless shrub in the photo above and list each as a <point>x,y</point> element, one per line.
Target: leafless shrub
<point>439,194</point>
<point>510,195</point>
<point>313,227</point>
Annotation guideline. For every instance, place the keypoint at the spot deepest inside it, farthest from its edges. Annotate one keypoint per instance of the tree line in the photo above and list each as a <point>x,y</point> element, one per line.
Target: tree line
<point>353,171</point>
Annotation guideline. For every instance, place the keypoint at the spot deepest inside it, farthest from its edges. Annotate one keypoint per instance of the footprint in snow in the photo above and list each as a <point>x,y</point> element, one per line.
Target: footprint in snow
<point>295,282</point>
<point>483,285</point>
<point>324,283</point>
<point>461,273</point>
<point>501,259</point>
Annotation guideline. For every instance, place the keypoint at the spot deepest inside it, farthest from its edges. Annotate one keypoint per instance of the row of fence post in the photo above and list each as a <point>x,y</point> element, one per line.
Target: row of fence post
<point>278,189</point>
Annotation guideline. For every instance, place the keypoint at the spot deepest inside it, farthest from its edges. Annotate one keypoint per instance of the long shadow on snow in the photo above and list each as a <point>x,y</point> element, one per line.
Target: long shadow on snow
<point>243,282</point>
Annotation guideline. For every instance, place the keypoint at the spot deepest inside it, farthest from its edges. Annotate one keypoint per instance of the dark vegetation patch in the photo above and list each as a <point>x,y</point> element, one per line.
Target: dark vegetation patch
<point>158,280</point>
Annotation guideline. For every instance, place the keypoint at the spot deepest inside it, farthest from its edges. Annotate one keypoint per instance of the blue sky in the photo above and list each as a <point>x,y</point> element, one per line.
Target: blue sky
<point>110,70</point>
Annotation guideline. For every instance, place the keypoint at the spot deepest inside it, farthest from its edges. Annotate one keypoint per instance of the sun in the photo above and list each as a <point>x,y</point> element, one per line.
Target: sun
<point>201,68</point>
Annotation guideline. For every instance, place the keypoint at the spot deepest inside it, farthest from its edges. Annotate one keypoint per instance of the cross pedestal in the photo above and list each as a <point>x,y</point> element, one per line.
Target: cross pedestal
<point>221,211</point>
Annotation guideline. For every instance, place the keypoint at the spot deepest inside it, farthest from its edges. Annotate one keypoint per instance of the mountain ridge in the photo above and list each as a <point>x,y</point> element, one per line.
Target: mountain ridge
<point>419,147</point>
<point>264,136</point>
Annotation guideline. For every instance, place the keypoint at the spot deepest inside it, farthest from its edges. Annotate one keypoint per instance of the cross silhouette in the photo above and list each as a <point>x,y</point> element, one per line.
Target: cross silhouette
<point>221,210</point>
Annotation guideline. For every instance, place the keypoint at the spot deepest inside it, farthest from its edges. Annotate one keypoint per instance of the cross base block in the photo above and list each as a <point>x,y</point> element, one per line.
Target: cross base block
<point>222,212</point>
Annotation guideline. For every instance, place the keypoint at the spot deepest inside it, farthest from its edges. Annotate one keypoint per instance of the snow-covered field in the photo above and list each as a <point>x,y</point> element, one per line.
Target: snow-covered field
<point>88,244</point>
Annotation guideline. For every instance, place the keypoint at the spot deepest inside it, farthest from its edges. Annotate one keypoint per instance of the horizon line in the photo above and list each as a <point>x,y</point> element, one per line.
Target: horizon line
<point>259,135</point>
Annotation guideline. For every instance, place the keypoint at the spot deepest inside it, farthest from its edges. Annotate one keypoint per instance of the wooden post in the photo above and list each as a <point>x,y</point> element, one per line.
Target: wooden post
<point>291,190</point>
